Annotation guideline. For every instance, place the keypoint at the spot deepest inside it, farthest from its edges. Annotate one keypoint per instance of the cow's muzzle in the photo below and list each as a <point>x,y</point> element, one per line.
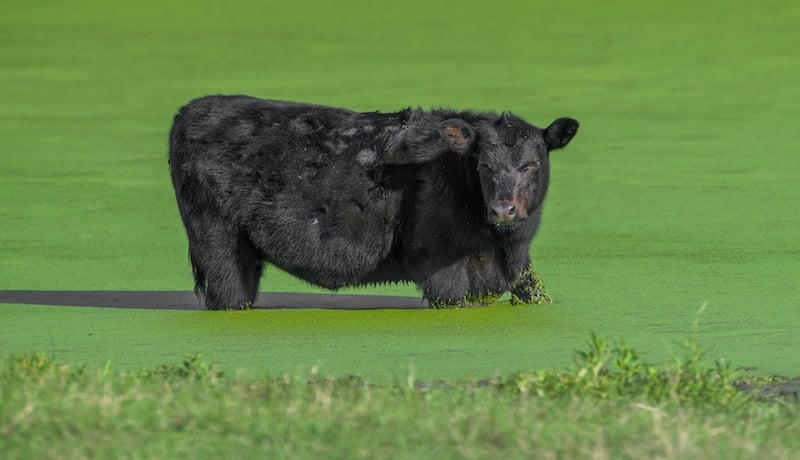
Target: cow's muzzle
<point>505,213</point>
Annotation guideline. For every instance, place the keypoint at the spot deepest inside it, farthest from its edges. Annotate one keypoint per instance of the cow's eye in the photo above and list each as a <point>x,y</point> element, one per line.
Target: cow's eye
<point>483,167</point>
<point>531,167</point>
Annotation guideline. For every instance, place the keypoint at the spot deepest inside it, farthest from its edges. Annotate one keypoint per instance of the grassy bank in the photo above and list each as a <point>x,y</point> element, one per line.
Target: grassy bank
<point>609,403</point>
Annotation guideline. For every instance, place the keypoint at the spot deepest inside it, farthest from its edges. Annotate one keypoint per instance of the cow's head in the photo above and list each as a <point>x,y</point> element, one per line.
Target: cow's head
<point>512,161</point>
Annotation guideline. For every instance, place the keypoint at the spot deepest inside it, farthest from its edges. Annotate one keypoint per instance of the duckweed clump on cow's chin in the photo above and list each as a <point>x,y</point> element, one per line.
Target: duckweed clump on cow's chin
<point>529,288</point>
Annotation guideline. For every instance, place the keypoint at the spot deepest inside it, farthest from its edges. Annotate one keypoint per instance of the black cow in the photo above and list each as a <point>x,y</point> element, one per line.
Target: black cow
<point>449,200</point>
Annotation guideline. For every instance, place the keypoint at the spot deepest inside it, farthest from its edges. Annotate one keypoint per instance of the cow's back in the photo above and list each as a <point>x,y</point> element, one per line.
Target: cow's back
<point>296,178</point>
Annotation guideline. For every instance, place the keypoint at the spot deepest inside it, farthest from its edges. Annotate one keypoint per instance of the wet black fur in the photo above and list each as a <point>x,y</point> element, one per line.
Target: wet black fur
<point>340,198</point>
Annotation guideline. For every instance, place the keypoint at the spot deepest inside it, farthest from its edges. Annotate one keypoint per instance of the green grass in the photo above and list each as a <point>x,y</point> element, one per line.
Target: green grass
<point>679,191</point>
<point>609,404</point>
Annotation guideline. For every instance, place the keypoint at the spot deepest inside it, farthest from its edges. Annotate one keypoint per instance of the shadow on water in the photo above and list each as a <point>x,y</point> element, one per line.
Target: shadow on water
<point>185,300</point>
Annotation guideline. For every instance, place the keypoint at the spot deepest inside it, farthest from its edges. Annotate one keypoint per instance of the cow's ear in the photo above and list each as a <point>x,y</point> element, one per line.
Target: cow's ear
<point>457,134</point>
<point>560,132</point>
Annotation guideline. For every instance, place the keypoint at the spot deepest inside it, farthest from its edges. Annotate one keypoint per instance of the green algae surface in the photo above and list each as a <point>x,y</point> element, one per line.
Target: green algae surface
<point>680,191</point>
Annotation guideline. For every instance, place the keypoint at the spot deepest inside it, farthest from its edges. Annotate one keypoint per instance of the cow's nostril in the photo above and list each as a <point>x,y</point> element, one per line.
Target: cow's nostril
<point>504,211</point>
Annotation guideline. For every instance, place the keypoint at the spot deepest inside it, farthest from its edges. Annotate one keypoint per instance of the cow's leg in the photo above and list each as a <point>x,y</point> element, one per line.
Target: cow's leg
<point>529,288</point>
<point>471,281</point>
<point>446,287</point>
<point>250,266</point>
<point>488,278</point>
<point>227,267</point>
